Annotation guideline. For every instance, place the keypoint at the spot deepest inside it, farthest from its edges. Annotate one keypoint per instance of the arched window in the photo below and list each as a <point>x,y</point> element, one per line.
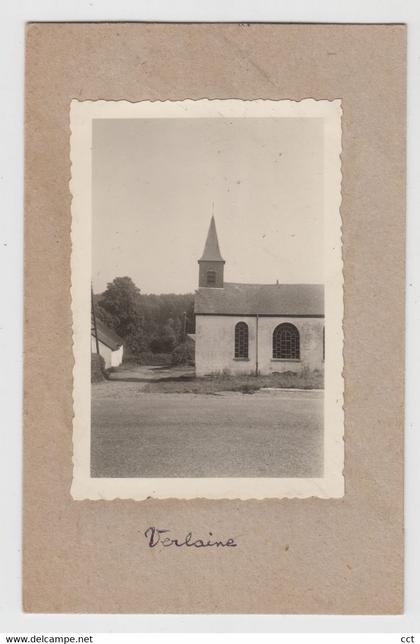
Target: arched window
<point>286,342</point>
<point>241,340</point>
<point>211,278</point>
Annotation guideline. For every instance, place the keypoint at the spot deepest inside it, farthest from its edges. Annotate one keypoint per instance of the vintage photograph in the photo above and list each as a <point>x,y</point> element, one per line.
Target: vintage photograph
<point>207,299</point>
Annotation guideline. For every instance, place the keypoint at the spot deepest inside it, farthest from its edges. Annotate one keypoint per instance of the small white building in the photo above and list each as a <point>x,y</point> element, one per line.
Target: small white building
<point>111,346</point>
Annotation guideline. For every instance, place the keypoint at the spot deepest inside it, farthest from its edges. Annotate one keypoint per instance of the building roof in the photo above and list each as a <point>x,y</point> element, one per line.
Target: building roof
<point>261,299</point>
<point>211,251</point>
<point>107,336</point>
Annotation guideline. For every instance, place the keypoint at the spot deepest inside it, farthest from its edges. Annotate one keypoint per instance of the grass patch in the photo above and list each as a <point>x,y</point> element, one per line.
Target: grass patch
<point>243,384</point>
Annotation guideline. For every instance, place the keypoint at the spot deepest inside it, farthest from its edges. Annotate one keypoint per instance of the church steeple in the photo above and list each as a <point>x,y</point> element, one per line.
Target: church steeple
<point>211,262</point>
<point>211,251</point>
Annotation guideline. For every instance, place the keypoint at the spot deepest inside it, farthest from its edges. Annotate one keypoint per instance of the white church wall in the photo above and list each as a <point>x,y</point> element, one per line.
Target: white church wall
<point>215,335</point>
<point>310,339</point>
<point>215,345</point>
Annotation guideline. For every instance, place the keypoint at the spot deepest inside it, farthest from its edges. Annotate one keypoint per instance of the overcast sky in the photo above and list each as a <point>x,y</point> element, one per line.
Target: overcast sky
<point>154,183</point>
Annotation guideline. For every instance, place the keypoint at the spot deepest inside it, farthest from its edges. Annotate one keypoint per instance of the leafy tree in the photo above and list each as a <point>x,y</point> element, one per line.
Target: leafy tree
<point>168,336</point>
<point>104,316</point>
<point>120,308</point>
<point>122,301</point>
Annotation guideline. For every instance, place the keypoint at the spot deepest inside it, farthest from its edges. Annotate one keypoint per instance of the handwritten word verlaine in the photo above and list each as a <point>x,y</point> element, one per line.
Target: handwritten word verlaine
<point>155,537</point>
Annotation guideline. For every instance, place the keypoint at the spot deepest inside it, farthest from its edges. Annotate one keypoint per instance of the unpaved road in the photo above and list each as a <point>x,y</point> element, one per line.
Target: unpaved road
<point>136,434</point>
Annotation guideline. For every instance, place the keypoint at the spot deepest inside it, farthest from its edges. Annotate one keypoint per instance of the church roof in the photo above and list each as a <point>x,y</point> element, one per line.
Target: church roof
<point>261,299</point>
<point>211,251</point>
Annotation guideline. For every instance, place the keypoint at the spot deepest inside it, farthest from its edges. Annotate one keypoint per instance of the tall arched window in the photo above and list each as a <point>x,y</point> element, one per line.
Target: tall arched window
<point>241,340</point>
<point>286,342</point>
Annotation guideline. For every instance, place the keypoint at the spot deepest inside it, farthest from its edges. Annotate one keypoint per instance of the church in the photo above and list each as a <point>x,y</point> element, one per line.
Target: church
<point>254,328</point>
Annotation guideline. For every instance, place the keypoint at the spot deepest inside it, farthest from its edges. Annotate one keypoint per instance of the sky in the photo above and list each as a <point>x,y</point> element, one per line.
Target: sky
<point>157,182</point>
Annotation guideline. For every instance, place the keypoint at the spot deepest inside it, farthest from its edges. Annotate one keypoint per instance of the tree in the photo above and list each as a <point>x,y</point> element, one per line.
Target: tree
<point>122,301</point>
<point>165,339</point>
<point>168,336</point>
<point>104,316</point>
<point>120,307</point>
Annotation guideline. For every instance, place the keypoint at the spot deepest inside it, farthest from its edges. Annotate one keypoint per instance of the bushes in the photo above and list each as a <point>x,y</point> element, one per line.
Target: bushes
<point>98,372</point>
<point>183,354</point>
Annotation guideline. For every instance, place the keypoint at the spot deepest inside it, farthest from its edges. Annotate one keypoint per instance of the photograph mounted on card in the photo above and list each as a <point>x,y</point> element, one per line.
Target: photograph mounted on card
<point>214,324</point>
<point>207,299</point>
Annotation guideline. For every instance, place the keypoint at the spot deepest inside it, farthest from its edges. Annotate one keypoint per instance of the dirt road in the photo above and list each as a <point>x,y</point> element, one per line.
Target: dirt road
<point>137,434</point>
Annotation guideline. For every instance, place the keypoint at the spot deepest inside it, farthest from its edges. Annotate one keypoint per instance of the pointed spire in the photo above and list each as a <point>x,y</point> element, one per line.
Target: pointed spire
<point>211,249</point>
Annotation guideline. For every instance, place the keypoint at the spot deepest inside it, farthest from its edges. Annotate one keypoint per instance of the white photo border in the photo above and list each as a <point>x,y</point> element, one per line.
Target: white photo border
<point>331,485</point>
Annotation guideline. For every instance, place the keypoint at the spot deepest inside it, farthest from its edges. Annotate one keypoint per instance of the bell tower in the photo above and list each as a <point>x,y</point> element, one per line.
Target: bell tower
<point>211,262</point>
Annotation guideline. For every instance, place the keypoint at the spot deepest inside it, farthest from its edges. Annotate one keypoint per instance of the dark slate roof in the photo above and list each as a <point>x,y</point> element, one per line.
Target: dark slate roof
<point>107,336</point>
<point>261,299</point>
<point>211,251</point>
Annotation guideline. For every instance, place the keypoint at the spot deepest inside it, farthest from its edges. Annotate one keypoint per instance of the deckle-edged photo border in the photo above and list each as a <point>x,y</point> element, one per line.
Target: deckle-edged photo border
<point>331,485</point>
